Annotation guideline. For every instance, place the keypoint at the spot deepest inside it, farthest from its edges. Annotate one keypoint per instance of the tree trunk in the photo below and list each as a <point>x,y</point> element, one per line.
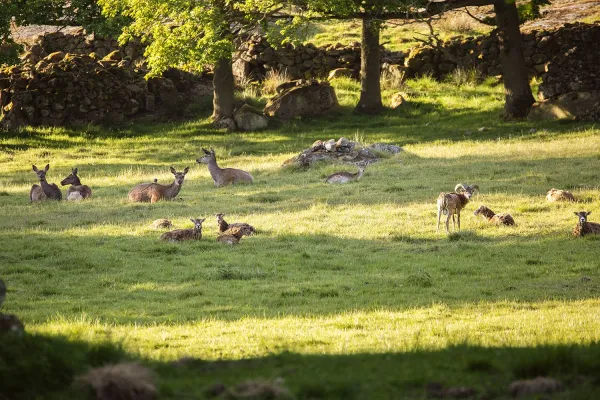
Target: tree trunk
<point>370,68</point>
<point>514,71</point>
<point>223,100</point>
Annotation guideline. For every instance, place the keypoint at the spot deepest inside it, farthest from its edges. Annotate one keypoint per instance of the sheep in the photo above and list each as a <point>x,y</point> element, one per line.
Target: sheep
<point>235,236</point>
<point>451,203</point>
<point>127,381</point>
<point>179,235</point>
<point>584,227</point>
<point>229,229</point>
<point>496,219</point>
<point>161,223</point>
<point>559,195</point>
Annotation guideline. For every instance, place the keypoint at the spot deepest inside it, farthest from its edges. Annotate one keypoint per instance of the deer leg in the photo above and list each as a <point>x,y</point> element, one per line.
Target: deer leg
<point>439,217</point>
<point>458,217</point>
<point>453,223</point>
<point>448,223</point>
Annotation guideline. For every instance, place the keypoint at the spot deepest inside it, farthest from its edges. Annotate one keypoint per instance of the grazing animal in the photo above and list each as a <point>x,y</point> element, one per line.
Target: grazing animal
<point>345,177</point>
<point>179,235</point>
<point>223,176</point>
<point>229,229</point>
<point>583,227</point>
<point>45,190</point>
<point>496,219</point>
<point>559,195</point>
<point>76,191</point>
<point>451,203</point>
<point>154,192</point>
<point>235,236</point>
<point>123,381</point>
<point>162,223</point>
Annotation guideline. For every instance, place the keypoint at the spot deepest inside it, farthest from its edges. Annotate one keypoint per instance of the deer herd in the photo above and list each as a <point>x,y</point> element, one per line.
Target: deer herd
<point>449,204</point>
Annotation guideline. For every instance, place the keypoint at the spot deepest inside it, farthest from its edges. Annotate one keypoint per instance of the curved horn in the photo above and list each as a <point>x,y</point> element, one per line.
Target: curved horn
<point>460,187</point>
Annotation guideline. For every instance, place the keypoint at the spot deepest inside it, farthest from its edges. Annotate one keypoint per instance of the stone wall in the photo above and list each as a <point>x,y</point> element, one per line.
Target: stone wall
<point>256,56</point>
<point>483,53</point>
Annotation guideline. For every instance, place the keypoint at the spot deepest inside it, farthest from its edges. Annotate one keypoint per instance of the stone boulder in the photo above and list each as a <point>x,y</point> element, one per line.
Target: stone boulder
<point>305,99</point>
<point>574,105</point>
<point>249,119</point>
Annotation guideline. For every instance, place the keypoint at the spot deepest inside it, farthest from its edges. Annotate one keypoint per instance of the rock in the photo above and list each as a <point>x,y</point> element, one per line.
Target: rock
<point>397,100</point>
<point>385,148</point>
<point>113,56</point>
<point>343,143</point>
<point>249,119</point>
<point>54,57</point>
<point>225,123</point>
<point>538,385</point>
<point>317,145</point>
<point>574,105</point>
<point>329,145</point>
<point>341,73</point>
<point>308,100</point>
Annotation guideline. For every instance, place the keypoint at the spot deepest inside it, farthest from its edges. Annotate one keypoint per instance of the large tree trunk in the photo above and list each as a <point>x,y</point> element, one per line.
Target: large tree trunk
<point>514,71</point>
<point>224,100</point>
<point>370,68</point>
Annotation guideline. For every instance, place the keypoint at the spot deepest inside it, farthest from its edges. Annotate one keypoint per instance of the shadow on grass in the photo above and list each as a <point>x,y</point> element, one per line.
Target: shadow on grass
<point>41,366</point>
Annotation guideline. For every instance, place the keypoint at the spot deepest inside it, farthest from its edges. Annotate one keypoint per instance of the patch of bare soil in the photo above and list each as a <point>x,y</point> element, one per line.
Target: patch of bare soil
<point>561,12</point>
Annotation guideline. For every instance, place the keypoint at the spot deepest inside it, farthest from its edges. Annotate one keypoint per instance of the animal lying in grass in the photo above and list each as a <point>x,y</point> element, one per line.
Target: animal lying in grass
<point>228,229</point>
<point>45,190</point>
<point>161,223</point>
<point>345,177</point>
<point>153,192</point>
<point>496,219</point>
<point>179,235</point>
<point>559,195</point>
<point>235,236</point>
<point>584,227</point>
<point>223,176</point>
<point>451,203</point>
<point>76,191</point>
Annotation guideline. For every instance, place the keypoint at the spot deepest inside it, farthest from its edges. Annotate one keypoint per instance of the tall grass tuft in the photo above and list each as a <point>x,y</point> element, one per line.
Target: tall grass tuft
<point>464,77</point>
<point>272,80</point>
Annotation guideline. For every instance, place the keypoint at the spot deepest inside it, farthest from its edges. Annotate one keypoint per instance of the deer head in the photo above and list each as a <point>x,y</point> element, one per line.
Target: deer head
<point>207,157</point>
<point>41,173</point>
<point>72,179</point>
<point>197,223</point>
<point>179,176</point>
<point>467,190</point>
<point>582,216</point>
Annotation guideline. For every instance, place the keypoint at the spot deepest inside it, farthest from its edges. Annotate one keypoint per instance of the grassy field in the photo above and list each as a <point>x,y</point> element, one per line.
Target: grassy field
<point>346,291</point>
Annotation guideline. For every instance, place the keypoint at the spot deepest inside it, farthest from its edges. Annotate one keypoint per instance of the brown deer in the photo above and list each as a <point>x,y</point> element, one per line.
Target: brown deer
<point>345,177</point>
<point>235,236</point>
<point>45,190</point>
<point>76,191</point>
<point>154,192</point>
<point>492,217</point>
<point>228,229</point>
<point>584,227</point>
<point>559,195</point>
<point>451,203</point>
<point>179,235</point>
<point>222,176</point>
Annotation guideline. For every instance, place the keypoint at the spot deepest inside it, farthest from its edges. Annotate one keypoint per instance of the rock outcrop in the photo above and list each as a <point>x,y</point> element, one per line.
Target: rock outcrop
<point>302,98</point>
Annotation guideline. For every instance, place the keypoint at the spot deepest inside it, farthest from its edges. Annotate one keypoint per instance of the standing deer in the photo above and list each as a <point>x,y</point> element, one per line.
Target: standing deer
<point>44,190</point>
<point>154,192</point>
<point>451,203</point>
<point>222,176</point>
<point>76,191</point>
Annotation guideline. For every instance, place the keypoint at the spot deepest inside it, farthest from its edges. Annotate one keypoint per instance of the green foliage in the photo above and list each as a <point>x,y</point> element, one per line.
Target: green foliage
<point>530,10</point>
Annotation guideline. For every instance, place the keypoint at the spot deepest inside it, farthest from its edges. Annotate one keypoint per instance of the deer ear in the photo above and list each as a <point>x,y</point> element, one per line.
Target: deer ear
<point>74,171</point>
<point>193,220</point>
<point>186,170</point>
<point>47,167</point>
<point>172,170</point>
<point>205,151</point>
<point>588,213</point>
<point>212,151</point>
<point>34,168</point>
<point>576,213</point>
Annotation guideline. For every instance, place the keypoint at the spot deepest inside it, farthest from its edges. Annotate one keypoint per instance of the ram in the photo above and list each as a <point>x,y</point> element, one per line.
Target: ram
<point>450,204</point>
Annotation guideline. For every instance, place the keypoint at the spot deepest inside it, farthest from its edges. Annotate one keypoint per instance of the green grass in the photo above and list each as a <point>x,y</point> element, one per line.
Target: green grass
<point>346,291</point>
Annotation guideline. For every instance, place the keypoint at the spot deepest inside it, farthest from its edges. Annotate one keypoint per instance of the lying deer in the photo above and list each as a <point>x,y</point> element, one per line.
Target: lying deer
<point>584,227</point>
<point>76,191</point>
<point>223,176</point>
<point>345,177</point>
<point>492,217</point>
<point>235,236</point>
<point>451,203</point>
<point>154,192</point>
<point>179,235</point>
<point>45,190</point>
<point>228,229</point>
